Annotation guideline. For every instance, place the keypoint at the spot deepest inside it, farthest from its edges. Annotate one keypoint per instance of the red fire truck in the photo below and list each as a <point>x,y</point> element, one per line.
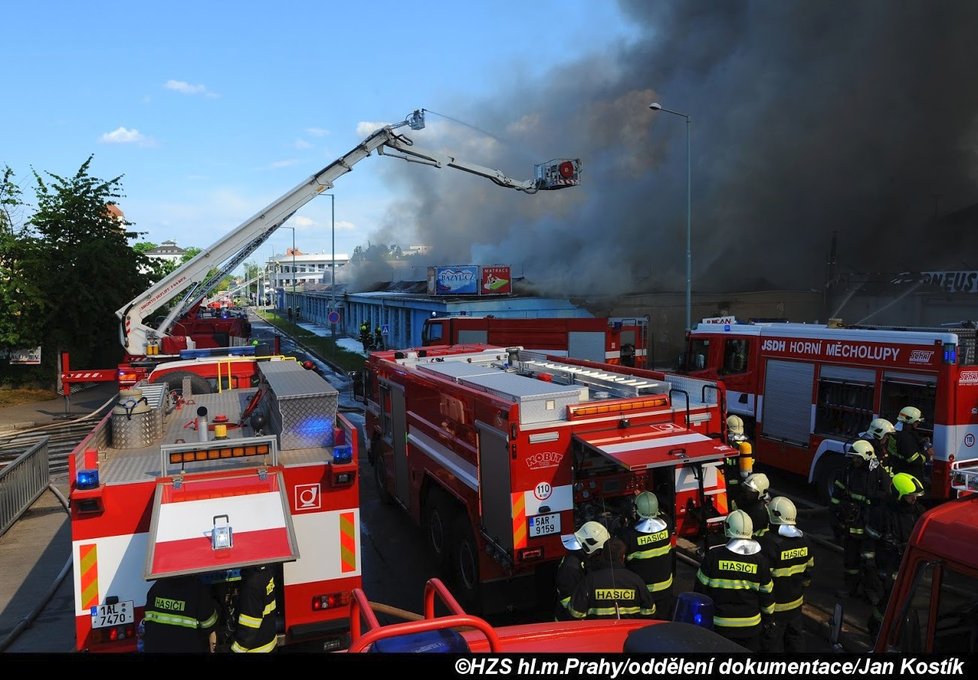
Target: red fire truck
<point>933,607</point>
<point>611,341</point>
<point>210,483</point>
<point>498,452</point>
<point>805,390</point>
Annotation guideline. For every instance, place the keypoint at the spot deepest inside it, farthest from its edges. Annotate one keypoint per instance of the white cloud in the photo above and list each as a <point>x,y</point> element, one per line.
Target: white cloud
<point>365,128</point>
<point>283,163</point>
<point>345,225</point>
<point>122,135</point>
<point>301,144</point>
<point>316,132</point>
<point>184,87</point>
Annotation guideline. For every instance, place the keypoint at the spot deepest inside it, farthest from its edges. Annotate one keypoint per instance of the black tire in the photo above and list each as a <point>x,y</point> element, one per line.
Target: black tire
<point>174,382</point>
<point>826,472</point>
<point>437,526</point>
<point>465,566</point>
<point>380,478</point>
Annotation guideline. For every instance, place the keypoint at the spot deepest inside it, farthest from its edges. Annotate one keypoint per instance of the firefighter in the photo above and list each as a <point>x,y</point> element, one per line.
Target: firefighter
<point>289,310</point>
<point>753,501</point>
<point>255,629</point>
<point>737,576</point>
<point>888,530</point>
<point>792,561</point>
<point>570,572</point>
<point>609,589</point>
<point>880,433</point>
<point>365,336</point>
<point>378,338</point>
<point>180,616</point>
<point>734,469</point>
<point>852,495</point>
<point>911,451</point>
<point>649,550</point>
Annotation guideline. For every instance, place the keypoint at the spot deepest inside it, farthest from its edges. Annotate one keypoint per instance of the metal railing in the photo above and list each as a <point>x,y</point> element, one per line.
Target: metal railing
<point>22,482</point>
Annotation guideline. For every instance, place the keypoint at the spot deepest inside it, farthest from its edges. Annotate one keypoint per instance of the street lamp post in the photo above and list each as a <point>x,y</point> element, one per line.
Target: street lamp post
<point>655,106</point>
<point>332,285</point>
<point>294,275</point>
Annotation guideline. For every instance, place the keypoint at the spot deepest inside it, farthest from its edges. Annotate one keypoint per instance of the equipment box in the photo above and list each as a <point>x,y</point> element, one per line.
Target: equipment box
<point>303,411</point>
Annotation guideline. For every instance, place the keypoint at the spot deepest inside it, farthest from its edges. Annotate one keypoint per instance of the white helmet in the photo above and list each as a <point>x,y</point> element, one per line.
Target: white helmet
<point>592,536</point>
<point>738,524</point>
<point>879,428</point>
<point>735,426</point>
<point>782,511</point>
<point>758,482</point>
<point>862,449</point>
<point>911,415</point>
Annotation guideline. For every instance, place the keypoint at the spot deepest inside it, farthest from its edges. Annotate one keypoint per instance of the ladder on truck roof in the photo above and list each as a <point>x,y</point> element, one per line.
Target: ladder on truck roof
<point>623,385</point>
<point>966,337</point>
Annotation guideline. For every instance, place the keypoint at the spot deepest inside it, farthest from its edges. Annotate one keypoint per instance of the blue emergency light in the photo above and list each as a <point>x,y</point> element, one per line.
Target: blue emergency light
<point>342,454</point>
<point>694,608</point>
<point>86,479</point>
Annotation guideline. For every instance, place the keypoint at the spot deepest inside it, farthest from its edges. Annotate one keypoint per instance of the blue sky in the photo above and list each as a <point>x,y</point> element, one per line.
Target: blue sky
<point>816,125</point>
<point>210,110</point>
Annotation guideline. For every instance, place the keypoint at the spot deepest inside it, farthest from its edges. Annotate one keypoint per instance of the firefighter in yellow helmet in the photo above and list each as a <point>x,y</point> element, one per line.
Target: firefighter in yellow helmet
<point>609,590</point>
<point>737,576</point>
<point>737,468</point>
<point>570,573</point>
<point>792,561</point>
<point>888,530</point>
<point>912,450</point>
<point>649,550</point>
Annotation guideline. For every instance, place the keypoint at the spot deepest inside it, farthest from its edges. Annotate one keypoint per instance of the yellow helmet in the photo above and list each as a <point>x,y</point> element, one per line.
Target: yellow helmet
<point>907,485</point>
<point>738,524</point>
<point>782,511</point>
<point>592,536</point>
<point>910,414</point>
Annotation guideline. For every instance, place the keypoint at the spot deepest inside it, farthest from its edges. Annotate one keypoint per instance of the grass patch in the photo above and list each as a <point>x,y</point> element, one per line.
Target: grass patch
<point>324,347</point>
<point>12,396</point>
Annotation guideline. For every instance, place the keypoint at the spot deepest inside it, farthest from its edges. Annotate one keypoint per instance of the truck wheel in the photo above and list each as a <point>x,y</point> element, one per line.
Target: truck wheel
<point>437,518</point>
<point>465,565</point>
<point>174,382</point>
<point>826,472</point>
<point>380,478</point>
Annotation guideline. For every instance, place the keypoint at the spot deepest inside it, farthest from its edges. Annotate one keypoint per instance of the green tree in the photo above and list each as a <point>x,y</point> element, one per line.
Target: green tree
<point>20,296</point>
<point>89,268</point>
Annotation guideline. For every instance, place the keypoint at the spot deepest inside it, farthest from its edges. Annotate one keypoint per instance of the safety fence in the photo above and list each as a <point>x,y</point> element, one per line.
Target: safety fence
<point>22,482</point>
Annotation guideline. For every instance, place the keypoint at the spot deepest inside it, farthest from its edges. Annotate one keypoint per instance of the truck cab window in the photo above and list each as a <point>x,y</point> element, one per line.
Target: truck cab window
<point>432,334</point>
<point>734,356</point>
<point>696,357</point>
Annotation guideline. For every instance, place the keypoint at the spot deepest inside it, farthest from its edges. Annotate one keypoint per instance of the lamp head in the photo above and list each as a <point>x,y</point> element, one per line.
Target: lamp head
<point>655,106</point>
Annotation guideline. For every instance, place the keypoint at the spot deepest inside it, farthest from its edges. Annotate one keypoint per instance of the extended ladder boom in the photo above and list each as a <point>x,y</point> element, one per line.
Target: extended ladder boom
<point>189,280</point>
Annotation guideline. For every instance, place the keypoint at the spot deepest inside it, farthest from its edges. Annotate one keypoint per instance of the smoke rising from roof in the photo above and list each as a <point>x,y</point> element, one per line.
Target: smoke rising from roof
<point>808,118</point>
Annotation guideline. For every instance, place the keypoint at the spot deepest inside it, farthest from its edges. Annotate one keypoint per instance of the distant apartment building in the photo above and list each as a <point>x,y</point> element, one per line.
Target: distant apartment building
<point>300,268</point>
<point>168,250</point>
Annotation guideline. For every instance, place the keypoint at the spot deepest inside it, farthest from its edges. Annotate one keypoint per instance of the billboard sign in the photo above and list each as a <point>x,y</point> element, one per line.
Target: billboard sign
<point>454,280</point>
<point>496,280</point>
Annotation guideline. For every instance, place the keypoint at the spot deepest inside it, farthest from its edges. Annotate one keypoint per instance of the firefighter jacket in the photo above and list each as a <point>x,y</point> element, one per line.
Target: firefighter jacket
<point>649,553</point>
<point>858,487</point>
<point>756,507</point>
<point>888,529</point>
<point>737,576</point>
<point>909,452</point>
<point>570,572</point>
<point>611,591</point>
<point>789,553</point>
<point>180,613</point>
<point>255,630</point>
<point>731,465</point>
